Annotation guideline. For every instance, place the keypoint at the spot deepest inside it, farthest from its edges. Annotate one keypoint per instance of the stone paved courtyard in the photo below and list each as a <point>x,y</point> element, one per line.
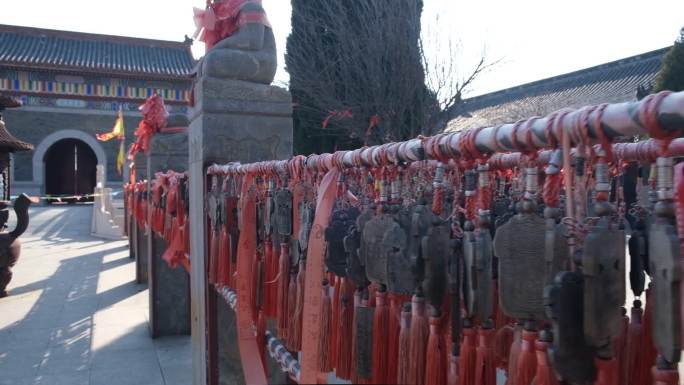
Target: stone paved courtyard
<point>75,315</point>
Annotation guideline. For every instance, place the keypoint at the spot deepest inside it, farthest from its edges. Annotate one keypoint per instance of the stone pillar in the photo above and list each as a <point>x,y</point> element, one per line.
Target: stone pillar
<point>141,245</point>
<point>169,289</point>
<point>232,121</point>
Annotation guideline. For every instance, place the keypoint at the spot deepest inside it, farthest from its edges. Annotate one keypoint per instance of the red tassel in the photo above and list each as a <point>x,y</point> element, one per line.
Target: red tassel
<point>261,338</point>
<point>185,237</point>
<point>468,356</point>
<point>269,277</point>
<point>354,374</point>
<point>620,349</point>
<point>223,273</point>
<point>334,346</point>
<point>516,346</point>
<point>299,309</point>
<point>606,371</point>
<point>446,335</point>
<point>665,376</point>
<point>403,358</point>
<point>213,256</point>
<point>346,326</point>
<point>452,376</point>
<point>291,310</point>
<point>502,346</point>
<point>324,359</point>
<point>434,371</point>
<point>257,272</point>
<point>545,374</point>
<point>527,360</point>
<point>380,336</point>
<point>634,345</point>
<point>283,286</point>
<point>485,373</point>
<point>648,353</point>
<point>393,328</point>
<point>418,340</point>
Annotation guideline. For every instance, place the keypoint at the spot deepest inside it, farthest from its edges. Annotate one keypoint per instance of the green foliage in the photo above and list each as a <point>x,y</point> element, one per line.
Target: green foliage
<point>671,75</point>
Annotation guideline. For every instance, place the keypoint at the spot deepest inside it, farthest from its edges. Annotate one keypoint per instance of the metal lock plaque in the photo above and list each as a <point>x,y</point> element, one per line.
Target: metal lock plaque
<point>519,244</point>
<point>336,256</point>
<point>603,266</point>
<point>373,250</point>
<point>435,252</point>
<point>667,274</point>
<point>570,355</point>
<point>306,217</point>
<point>283,212</point>
<point>470,281</point>
<point>483,268</point>
<point>399,273</point>
<point>356,272</point>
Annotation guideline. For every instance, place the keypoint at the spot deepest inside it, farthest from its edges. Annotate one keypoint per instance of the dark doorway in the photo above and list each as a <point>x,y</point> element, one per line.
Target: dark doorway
<point>70,166</point>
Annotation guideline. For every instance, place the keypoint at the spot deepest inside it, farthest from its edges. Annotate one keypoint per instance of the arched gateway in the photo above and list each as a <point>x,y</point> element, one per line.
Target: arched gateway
<point>65,163</point>
<point>81,81</point>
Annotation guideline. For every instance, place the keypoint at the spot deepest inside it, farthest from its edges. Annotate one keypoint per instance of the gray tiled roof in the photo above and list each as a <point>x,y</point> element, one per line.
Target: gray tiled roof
<point>612,82</point>
<point>74,51</point>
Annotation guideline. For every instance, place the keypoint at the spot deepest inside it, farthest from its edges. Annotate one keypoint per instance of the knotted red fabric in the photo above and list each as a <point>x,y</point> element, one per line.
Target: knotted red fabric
<point>222,19</point>
<point>154,118</point>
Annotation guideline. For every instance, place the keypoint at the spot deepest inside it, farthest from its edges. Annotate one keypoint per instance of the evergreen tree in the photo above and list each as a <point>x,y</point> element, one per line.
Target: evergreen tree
<point>356,73</point>
<point>671,75</point>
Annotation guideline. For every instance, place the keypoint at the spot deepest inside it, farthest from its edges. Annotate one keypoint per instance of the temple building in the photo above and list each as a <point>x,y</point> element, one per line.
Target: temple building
<point>72,86</point>
<point>619,81</point>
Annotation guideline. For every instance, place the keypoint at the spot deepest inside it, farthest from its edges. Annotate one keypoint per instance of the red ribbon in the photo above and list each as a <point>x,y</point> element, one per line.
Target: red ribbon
<point>154,118</point>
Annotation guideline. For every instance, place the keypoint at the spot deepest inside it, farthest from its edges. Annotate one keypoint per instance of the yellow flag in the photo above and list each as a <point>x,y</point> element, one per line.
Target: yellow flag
<point>117,131</point>
<point>121,157</point>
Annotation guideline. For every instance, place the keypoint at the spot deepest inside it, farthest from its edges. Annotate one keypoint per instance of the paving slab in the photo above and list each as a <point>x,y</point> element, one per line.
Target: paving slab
<point>75,315</point>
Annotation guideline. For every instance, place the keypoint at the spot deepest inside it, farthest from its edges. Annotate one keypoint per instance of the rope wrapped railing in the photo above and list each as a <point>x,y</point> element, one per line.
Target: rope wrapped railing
<point>588,131</point>
<point>659,115</point>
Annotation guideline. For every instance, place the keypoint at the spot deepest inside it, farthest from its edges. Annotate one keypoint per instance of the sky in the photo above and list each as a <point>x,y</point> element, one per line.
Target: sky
<point>529,39</point>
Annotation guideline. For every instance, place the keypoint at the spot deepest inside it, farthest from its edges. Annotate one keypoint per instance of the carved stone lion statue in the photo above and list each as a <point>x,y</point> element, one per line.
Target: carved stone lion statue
<point>239,39</point>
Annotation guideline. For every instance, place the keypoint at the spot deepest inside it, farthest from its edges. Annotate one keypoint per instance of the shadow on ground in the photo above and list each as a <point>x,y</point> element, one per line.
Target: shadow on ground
<point>75,314</point>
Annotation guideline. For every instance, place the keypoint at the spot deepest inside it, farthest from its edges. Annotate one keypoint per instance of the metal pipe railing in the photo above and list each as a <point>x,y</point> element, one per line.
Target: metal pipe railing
<point>659,115</point>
